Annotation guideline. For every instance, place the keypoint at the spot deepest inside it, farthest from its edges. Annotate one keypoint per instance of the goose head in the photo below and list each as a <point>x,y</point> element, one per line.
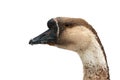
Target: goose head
<point>67,33</point>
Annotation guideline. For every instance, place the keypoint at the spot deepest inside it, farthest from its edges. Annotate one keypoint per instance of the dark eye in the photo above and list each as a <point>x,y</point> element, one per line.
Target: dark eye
<point>68,24</point>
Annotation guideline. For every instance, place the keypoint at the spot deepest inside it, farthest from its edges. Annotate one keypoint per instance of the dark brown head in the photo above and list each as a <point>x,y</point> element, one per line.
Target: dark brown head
<point>67,33</point>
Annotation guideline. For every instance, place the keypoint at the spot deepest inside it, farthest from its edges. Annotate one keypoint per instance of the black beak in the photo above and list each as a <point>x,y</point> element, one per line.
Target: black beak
<point>48,37</point>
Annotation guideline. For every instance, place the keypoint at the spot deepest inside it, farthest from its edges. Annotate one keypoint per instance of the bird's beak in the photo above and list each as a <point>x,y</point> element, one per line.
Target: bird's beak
<point>49,36</point>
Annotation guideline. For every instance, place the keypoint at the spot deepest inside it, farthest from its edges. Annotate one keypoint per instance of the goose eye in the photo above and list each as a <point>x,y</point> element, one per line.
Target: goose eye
<point>68,24</point>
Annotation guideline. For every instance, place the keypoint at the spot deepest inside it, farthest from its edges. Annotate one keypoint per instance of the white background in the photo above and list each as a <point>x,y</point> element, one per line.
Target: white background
<point>21,20</point>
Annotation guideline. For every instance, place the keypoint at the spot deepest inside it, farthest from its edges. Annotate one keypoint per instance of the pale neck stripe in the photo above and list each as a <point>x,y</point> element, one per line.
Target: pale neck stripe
<point>58,30</point>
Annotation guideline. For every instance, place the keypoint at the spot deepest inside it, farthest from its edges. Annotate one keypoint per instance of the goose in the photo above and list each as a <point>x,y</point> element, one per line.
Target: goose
<point>79,36</point>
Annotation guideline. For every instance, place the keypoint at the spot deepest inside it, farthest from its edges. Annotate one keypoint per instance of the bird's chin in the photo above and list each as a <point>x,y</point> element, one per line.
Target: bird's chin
<point>51,44</point>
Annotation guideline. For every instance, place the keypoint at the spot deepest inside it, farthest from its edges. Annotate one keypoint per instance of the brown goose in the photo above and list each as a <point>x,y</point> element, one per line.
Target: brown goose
<point>77,35</point>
